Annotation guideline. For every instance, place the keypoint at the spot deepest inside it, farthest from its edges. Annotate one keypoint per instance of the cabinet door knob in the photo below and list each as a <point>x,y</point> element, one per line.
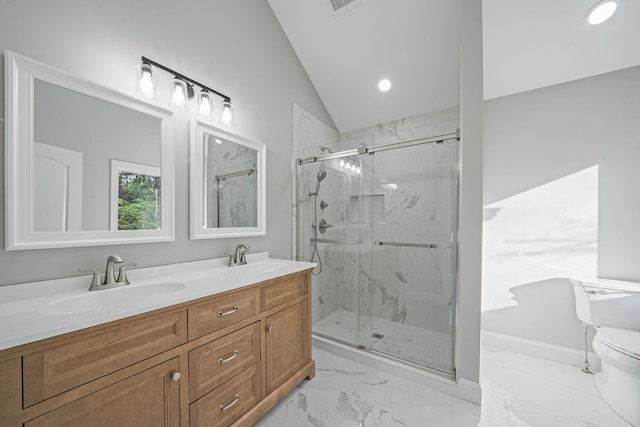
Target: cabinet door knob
<point>175,376</point>
<point>270,328</point>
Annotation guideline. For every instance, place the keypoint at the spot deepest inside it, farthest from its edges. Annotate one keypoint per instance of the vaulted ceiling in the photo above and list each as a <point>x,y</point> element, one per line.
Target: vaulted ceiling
<point>415,44</point>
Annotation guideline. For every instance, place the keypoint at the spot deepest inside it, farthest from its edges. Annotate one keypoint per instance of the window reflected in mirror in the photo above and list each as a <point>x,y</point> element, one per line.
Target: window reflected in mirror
<point>135,196</point>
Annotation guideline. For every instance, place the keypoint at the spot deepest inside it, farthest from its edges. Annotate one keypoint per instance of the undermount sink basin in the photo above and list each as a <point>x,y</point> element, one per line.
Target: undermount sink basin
<point>109,299</point>
<point>263,267</point>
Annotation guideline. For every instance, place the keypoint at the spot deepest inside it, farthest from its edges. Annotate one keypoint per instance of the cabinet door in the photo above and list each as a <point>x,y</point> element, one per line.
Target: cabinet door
<point>288,345</point>
<point>148,399</point>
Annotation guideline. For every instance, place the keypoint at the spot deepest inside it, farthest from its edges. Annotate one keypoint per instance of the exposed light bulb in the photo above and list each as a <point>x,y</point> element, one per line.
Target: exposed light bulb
<point>348,165</point>
<point>227,114</point>
<point>146,85</point>
<point>179,97</point>
<point>204,106</point>
<point>341,163</point>
<point>353,168</point>
<point>358,170</point>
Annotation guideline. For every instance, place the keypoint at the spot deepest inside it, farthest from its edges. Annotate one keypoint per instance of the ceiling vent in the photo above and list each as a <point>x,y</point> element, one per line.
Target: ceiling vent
<point>340,7</point>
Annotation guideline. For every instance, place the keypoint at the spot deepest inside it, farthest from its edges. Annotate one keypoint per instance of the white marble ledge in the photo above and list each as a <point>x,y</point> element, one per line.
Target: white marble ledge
<point>28,311</point>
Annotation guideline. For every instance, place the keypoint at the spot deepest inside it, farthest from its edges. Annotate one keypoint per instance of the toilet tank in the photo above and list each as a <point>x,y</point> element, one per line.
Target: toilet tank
<point>610,303</point>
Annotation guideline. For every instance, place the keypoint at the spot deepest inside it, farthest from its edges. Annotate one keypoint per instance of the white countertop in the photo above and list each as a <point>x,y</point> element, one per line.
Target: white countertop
<point>33,311</point>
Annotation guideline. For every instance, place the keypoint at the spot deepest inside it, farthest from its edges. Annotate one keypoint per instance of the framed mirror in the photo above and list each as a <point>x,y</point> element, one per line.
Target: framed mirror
<point>85,165</point>
<point>227,181</point>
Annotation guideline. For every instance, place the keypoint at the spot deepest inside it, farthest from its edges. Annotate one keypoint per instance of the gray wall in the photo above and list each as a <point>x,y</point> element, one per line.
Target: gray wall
<point>236,47</point>
<point>548,151</point>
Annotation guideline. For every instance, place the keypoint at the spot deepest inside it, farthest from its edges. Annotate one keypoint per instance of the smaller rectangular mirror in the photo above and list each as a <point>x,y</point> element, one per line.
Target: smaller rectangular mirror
<point>227,178</point>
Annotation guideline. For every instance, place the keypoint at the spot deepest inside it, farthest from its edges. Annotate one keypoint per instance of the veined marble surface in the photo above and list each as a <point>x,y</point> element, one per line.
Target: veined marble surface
<point>518,391</point>
<point>418,345</point>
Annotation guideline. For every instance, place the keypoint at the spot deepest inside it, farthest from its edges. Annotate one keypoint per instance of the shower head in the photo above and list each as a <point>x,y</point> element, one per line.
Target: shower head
<point>321,175</point>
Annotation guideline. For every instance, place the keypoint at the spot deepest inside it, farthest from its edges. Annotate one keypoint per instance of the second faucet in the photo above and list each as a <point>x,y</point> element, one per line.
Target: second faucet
<point>239,258</point>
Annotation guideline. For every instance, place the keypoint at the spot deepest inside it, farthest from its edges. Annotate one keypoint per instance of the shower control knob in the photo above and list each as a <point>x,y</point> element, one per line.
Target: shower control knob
<point>323,204</point>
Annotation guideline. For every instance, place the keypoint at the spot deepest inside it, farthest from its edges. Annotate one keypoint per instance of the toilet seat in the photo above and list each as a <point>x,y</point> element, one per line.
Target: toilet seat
<point>623,341</point>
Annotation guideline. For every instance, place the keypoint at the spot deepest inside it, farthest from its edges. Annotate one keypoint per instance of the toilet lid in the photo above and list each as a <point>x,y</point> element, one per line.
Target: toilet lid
<point>622,340</point>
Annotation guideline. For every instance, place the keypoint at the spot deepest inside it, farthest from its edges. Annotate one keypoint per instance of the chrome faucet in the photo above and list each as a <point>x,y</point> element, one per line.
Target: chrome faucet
<point>239,258</point>
<point>109,277</point>
<point>110,280</point>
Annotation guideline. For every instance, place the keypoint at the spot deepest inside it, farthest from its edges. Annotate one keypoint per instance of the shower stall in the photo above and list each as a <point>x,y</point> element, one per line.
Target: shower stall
<point>381,224</point>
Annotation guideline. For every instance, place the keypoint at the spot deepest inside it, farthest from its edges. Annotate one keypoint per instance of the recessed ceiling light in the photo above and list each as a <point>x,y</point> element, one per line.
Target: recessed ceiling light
<point>601,11</point>
<point>384,85</point>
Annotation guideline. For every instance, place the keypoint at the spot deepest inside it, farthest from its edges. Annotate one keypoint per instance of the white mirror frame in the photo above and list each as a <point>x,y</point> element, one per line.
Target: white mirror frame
<point>20,73</point>
<point>197,225</point>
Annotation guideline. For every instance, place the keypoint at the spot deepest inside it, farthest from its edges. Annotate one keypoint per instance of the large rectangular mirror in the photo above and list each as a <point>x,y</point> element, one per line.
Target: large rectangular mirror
<point>227,184</point>
<point>85,165</point>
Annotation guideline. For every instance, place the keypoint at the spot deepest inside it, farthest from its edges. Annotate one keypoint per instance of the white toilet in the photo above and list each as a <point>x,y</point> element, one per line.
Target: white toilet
<point>613,307</point>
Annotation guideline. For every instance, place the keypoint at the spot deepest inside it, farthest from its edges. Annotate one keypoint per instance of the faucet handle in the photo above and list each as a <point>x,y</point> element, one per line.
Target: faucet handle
<point>96,277</point>
<point>122,273</point>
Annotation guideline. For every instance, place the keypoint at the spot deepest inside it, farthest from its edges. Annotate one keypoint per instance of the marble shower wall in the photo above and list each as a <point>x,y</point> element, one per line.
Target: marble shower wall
<point>412,200</point>
<point>230,201</point>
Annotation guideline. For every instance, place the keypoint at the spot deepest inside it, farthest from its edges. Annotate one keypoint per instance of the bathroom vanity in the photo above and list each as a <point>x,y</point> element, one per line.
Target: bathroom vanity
<point>218,347</point>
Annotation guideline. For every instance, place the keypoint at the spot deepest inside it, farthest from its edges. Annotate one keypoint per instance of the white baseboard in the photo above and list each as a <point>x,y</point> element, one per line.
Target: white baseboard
<point>539,349</point>
<point>463,389</point>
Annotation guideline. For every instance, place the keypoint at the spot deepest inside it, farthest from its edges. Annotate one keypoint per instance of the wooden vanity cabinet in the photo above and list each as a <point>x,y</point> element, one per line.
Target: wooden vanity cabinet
<point>222,360</point>
<point>286,348</point>
<point>148,399</point>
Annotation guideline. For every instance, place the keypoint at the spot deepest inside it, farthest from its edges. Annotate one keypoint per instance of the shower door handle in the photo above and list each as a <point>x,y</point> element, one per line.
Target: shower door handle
<point>406,245</point>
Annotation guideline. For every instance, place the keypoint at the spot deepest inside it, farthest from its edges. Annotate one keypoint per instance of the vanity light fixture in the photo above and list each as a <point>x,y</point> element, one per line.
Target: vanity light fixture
<point>182,91</point>
<point>147,81</point>
<point>601,11</point>
<point>180,94</point>
<point>205,105</point>
<point>227,114</point>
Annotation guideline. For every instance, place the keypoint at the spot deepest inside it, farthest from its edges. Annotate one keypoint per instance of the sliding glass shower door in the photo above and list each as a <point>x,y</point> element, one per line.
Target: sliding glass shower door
<point>381,225</point>
<point>408,286</point>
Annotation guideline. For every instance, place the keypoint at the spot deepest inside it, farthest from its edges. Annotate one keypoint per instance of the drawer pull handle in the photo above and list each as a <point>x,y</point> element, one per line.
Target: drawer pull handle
<point>226,313</point>
<point>270,329</point>
<point>175,376</point>
<point>229,359</point>
<point>235,400</point>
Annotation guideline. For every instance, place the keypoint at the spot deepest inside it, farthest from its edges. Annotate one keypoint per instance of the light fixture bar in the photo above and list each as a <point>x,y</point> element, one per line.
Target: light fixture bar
<point>185,78</point>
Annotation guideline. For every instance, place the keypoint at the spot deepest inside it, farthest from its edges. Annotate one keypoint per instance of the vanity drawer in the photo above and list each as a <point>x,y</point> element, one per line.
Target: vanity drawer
<point>212,364</point>
<point>221,312</point>
<point>70,364</point>
<point>227,403</point>
<point>285,290</point>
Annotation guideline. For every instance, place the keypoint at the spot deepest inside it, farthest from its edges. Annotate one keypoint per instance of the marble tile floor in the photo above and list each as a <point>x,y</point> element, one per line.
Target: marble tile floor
<point>518,391</point>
